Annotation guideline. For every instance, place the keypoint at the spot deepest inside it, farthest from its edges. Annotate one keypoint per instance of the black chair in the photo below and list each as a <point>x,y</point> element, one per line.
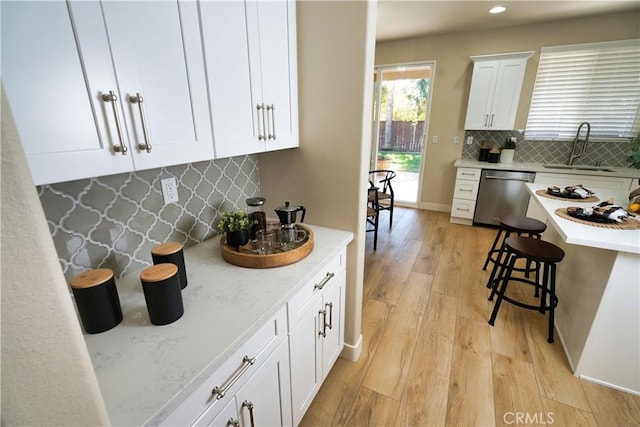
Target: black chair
<point>372,214</point>
<point>382,178</point>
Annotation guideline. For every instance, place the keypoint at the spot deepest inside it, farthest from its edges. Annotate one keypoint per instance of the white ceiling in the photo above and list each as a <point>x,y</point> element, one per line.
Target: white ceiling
<point>399,19</point>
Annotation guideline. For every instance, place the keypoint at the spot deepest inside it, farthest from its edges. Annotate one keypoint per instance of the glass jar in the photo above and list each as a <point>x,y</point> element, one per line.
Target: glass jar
<point>257,216</point>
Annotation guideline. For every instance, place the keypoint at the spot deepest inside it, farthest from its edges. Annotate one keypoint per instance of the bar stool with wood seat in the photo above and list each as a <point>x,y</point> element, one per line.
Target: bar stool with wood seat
<point>508,225</point>
<point>533,250</point>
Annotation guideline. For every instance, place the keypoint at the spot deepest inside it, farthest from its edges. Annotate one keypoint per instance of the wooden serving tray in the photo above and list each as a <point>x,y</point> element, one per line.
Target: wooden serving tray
<point>245,257</point>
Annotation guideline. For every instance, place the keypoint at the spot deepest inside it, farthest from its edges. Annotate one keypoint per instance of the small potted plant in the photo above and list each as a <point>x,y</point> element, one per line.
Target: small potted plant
<point>633,155</point>
<point>383,161</point>
<point>236,226</point>
<point>508,150</point>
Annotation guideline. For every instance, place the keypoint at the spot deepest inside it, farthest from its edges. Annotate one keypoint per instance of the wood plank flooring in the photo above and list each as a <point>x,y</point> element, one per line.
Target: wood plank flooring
<point>429,356</point>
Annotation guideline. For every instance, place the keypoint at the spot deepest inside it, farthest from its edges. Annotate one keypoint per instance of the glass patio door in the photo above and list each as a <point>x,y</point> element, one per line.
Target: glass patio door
<point>400,114</point>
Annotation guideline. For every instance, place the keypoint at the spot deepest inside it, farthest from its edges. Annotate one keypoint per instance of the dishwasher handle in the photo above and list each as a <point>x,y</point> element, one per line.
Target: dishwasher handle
<point>505,178</point>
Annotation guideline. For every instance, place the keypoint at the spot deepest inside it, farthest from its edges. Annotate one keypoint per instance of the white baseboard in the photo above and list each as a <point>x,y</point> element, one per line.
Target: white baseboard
<point>606,384</point>
<point>438,207</point>
<point>352,352</point>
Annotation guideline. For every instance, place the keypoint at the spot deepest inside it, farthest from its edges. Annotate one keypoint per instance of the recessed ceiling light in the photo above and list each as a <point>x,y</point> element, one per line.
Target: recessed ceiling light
<point>497,9</point>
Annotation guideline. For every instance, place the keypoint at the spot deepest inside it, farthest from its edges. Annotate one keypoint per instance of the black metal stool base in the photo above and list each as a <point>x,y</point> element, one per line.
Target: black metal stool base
<point>496,255</point>
<point>533,250</point>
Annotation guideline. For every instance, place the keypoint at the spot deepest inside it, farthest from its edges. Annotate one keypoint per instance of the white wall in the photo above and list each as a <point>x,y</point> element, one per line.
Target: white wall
<point>47,375</point>
<point>336,42</point>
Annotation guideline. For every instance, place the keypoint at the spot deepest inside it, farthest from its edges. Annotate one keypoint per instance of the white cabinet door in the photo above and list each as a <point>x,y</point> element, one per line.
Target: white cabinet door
<point>496,84</point>
<point>58,61</point>
<point>483,82</point>
<point>233,107</point>
<point>507,93</point>
<point>315,343</point>
<point>305,345</point>
<point>228,417</point>
<point>250,51</point>
<point>157,53</point>
<point>266,400</point>
<point>332,307</point>
<point>276,32</point>
<point>60,117</point>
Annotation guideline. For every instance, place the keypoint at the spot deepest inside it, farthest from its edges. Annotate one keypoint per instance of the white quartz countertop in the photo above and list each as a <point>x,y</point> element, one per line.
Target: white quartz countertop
<point>539,167</point>
<point>145,371</point>
<point>587,235</point>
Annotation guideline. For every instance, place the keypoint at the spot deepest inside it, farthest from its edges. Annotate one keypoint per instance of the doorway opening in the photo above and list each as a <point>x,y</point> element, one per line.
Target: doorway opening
<point>402,99</point>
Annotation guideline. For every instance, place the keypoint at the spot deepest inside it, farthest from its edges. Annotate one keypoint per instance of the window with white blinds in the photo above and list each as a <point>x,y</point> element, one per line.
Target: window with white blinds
<point>597,83</point>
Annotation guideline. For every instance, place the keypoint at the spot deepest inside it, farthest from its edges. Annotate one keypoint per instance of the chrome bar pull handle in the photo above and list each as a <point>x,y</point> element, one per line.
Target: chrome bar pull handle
<point>219,392</point>
<point>232,422</point>
<point>323,333</point>
<point>330,305</point>
<point>262,131</point>
<point>138,99</point>
<point>323,281</point>
<point>272,123</point>
<point>113,99</point>
<point>249,406</point>
<point>491,124</point>
<point>486,120</point>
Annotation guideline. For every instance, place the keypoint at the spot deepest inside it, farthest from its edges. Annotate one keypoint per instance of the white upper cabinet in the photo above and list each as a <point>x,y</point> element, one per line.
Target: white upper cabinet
<point>157,54</point>
<point>60,118</point>
<point>61,62</point>
<point>495,91</point>
<point>250,54</point>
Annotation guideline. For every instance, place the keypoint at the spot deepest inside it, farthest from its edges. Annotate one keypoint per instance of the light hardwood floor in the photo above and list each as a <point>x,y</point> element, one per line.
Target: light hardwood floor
<point>429,356</point>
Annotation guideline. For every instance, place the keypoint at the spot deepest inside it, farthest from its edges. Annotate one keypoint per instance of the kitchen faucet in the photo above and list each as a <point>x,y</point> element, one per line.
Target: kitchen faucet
<point>573,154</point>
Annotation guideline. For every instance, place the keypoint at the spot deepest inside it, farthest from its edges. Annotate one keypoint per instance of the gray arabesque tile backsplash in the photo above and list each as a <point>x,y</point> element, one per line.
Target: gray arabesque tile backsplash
<point>114,221</point>
<point>606,154</point>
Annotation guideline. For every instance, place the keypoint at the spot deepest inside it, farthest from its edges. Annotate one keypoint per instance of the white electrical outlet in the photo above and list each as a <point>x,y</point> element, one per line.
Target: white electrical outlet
<point>469,140</point>
<point>456,139</point>
<point>434,139</point>
<point>169,190</point>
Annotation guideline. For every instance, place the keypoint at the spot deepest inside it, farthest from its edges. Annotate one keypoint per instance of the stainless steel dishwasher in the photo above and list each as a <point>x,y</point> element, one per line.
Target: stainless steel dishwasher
<point>501,193</point>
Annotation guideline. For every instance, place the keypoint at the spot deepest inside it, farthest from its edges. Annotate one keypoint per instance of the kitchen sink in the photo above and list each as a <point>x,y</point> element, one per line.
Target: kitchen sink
<point>578,168</point>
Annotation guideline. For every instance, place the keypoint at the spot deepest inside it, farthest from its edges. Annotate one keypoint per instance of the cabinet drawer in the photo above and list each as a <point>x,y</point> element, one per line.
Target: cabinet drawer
<point>231,375</point>
<point>467,190</point>
<point>314,288</point>
<point>469,174</point>
<point>463,208</point>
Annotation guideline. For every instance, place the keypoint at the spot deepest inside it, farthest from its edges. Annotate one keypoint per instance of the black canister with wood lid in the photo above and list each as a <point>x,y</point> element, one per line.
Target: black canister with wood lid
<point>97,300</point>
<point>171,252</point>
<point>162,292</point>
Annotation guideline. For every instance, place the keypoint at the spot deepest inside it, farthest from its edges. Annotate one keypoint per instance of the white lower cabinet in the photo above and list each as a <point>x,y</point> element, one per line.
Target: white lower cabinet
<point>265,399</point>
<point>271,380</point>
<point>465,193</point>
<point>227,417</point>
<point>317,338</point>
<point>263,355</point>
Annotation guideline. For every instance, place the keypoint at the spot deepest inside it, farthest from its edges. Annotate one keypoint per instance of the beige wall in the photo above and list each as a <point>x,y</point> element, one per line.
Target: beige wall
<point>47,375</point>
<point>328,173</point>
<point>453,78</point>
